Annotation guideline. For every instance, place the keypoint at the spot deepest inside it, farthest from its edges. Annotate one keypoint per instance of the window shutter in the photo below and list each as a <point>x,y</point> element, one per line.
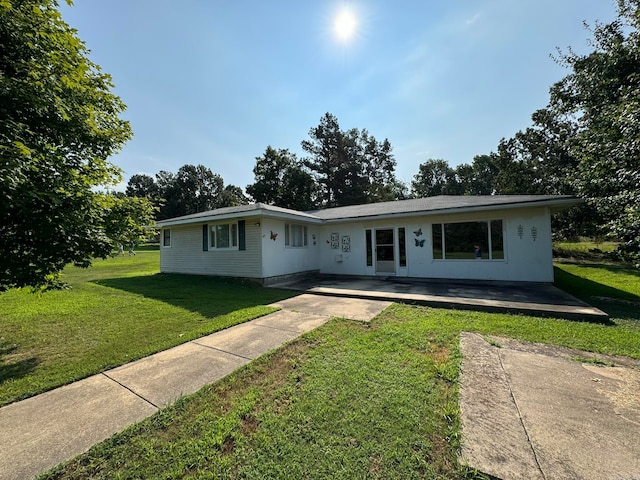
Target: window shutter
<point>205,237</point>
<point>242,238</point>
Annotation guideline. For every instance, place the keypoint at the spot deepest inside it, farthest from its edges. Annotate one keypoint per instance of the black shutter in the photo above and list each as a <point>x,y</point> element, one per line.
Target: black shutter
<point>242,237</point>
<point>205,237</point>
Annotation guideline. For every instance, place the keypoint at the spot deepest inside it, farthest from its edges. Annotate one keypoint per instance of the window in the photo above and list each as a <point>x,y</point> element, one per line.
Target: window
<point>369,242</point>
<point>468,240</point>
<point>295,235</point>
<point>224,235</point>
<point>402,246</point>
<point>166,237</point>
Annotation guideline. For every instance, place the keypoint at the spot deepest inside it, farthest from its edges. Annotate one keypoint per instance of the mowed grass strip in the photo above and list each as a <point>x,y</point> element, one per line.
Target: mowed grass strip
<point>345,401</point>
<point>119,310</point>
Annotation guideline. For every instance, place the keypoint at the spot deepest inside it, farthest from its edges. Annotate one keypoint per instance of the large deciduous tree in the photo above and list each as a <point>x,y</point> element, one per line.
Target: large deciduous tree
<point>282,180</point>
<point>193,189</point>
<point>435,177</point>
<point>128,220</point>
<point>601,97</point>
<point>60,123</point>
<point>232,196</point>
<point>141,185</point>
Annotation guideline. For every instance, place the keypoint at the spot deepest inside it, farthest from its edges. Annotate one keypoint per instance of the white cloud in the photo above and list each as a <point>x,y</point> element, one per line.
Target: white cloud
<point>472,20</point>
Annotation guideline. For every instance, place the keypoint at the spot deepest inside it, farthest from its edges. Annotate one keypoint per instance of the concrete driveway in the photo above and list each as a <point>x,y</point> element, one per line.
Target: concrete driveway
<point>532,411</point>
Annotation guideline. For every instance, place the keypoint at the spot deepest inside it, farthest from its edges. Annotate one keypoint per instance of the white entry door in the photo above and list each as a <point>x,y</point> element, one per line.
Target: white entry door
<point>385,251</point>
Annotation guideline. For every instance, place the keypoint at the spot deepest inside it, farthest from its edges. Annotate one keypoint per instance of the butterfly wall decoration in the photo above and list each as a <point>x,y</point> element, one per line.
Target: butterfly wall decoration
<point>273,235</point>
<point>418,232</point>
<point>419,243</point>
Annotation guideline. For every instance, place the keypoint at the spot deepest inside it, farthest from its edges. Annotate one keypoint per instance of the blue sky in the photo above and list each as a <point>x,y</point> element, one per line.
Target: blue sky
<point>216,82</point>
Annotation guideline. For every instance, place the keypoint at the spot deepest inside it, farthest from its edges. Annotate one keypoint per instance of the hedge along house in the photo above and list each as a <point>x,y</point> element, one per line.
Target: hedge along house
<point>496,237</point>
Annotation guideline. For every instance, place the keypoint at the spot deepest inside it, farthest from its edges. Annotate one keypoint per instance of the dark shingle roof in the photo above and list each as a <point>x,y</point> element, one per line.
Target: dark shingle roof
<point>432,204</point>
<point>227,211</point>
<point>443,203</point>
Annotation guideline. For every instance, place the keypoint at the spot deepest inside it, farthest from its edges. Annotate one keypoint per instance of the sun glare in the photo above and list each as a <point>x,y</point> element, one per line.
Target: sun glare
<point>345,25</point>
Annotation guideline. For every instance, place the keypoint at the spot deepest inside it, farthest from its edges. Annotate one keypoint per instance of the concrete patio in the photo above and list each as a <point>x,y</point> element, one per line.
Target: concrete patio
<point>503,297</point>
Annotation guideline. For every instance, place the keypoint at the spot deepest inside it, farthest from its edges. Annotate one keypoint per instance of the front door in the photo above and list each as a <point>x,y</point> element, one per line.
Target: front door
<point>385,260</point>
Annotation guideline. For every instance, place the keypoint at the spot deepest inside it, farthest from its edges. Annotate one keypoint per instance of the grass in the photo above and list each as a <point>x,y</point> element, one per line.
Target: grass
<point>585,246</point>
<point>348,400</point>
<point>585,251</point>
<point>614,289</point>
<point>118,310</point>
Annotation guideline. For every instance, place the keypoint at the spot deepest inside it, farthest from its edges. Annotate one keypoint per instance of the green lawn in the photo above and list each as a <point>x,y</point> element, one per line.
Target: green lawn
<point>118,310</point>
<point>350,400</point>
<point>585,246</point>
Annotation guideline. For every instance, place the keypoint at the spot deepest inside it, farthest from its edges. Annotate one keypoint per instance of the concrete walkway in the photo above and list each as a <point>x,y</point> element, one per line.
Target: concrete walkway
<point>530,411</point>
<point>40,432</point>
<point>502,297</point>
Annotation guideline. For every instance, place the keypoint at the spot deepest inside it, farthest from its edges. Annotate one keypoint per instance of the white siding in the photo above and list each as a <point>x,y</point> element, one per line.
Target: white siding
<point>187,256</point>
<point>336,260</point>
<point>279,259</point>
<point>525,259</point>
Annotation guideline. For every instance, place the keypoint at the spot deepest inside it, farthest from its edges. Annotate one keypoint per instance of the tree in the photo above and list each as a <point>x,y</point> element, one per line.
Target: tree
<point>434,177</point>
<point>601,98</point>
<point>232,196</point>
<point>328,157</point>
<point>351,167</point>
<point>380,168</point>
<point>141,185</point>
<point>144,186</point>
<point>128,220</point>
<point>281,180</point>
<point>484,171</point>
<point>60,123</point>
<point>299,190</point>
<point>192,189</point>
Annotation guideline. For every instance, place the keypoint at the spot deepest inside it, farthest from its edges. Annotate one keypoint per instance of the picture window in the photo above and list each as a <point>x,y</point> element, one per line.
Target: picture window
<point>482,240</point>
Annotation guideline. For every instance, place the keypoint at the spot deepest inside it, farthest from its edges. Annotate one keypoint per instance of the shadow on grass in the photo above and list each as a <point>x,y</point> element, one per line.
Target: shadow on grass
<point>15,370</point>
<point>209,296</point>
<point>617,303</point>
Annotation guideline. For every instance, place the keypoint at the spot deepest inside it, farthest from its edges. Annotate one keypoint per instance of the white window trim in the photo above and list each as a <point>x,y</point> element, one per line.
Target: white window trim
<point>287,235</point>
<point>231,240</point>
<point>162,238</point>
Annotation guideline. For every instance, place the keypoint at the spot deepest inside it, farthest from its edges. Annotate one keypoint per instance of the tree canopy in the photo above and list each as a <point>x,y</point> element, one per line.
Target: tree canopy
<point>601,99</point>
<point>343,167</point>
<point>128,220</point>
<point>60,124</point>
<point>282,180</point>
<point>192,189</point>
<point>350,167</point>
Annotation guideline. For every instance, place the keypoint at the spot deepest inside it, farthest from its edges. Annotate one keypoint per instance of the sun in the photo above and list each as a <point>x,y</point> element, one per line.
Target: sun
<point>345,24</point>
